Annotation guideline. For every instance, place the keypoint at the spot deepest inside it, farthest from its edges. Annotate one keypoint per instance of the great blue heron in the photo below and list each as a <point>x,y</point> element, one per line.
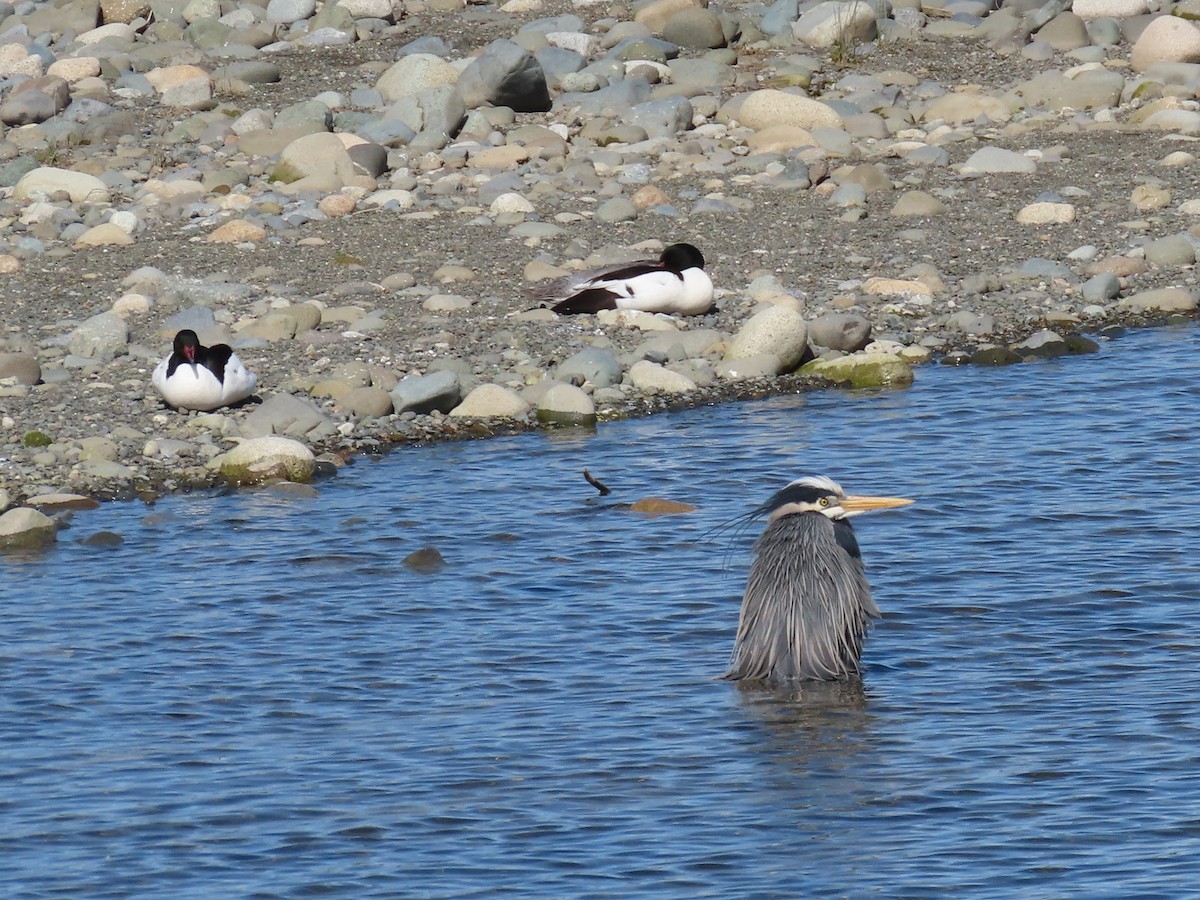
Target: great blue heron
<point>807,604</point>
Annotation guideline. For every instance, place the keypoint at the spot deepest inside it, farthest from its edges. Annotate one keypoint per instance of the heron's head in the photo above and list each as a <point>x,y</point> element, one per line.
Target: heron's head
<point>818,494</point>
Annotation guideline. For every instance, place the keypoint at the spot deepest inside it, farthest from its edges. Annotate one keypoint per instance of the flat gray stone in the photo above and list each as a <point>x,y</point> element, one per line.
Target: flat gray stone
<point>23,367</point>
<point>594,365</point>
<point>847,332</point>
<point>103,337</point>
<point>423,394</point>
<point>286,414</point>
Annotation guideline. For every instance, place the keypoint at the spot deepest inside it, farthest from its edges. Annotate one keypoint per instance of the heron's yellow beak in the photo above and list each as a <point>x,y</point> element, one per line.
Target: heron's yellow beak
<point>866,504</point>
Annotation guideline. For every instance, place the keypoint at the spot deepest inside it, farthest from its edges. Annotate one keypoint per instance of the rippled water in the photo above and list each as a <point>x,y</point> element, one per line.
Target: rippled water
<point>254,696</point>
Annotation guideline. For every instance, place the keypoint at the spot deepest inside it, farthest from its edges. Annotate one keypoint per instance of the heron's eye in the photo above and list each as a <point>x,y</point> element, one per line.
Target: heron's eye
<point>824,501</point>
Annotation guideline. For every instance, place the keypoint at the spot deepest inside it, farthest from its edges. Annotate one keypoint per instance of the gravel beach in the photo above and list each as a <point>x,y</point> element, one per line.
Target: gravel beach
<point>363,197</point>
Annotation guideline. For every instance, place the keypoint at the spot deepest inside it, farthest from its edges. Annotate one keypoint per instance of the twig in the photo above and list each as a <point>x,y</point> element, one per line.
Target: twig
<point>594,482</point>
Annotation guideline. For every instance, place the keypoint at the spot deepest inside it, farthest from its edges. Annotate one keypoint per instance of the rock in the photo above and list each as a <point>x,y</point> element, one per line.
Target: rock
<point>413,74</point>
<point>123,11</point>
<point>1041,345</point>
<point>426,561</point>
<point>593,365</point>
<point>1172,250</point>
<point>565,404</point>
<point>1161,300</point>
<point>1093,89</point>
<point>1166,39</point>
<point>765,108</point>
<point>368,402</point>
<point>182,86</point>
<point>23,368</point>
<point>285,12</point>
<point>1064,32</point>
<point>695,29</point>
<point>777,330</point>
<point>372,9</point>
<point>1099,288</point>
<point>663,118</point>
<point>1091,10</point>
<point>14,60</point>
<point>261,459</point>
<point>761,365</point>
<point>653,378</point>
<point>492,401</point>
<point>1146,197</point>
<point>660,506</point>
<point>25,528</point>
<point>48,180</point>
<point>104,337</point>
<point>276,326</point>
<point>58,502</point>
<point>505,74</point>
<point>997,159</point>
<point>237,231</point>
<point>1046,213</point>
<point>322,155</point>
<point>862,370</point>
<point>35,100</point>
<point>423,394</point>
<point>446,303</point>
<point>960,107</point>
<point>972,323</point>
<point>836,22</point>
<point>106,234</point>
<point>616,209</point>
<point>994,356</point>
<point>657,13</point>
<point>781,139</point>
<point>847,332</point>
<point>286,414</point>
<point>918,205</point>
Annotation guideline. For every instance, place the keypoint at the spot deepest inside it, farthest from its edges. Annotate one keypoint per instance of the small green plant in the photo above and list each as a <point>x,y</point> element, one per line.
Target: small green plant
<point>36,439</point>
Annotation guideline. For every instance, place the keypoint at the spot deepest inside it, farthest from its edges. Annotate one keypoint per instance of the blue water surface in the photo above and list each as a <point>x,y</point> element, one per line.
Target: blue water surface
<point>254,696</point>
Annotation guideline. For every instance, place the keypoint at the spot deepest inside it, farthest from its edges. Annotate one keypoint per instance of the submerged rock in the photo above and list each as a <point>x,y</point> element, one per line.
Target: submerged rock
<point>25,528</point>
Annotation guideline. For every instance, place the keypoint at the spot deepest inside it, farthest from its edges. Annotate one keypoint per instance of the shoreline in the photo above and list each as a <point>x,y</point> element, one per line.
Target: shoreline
<point>381,436</point>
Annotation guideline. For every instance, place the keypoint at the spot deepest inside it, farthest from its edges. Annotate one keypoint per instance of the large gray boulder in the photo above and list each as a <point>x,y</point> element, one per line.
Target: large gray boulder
<point>505,74</point>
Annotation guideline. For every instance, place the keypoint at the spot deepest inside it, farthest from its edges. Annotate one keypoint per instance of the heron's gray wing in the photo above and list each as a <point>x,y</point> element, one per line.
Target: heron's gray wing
<point>807,604</point>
